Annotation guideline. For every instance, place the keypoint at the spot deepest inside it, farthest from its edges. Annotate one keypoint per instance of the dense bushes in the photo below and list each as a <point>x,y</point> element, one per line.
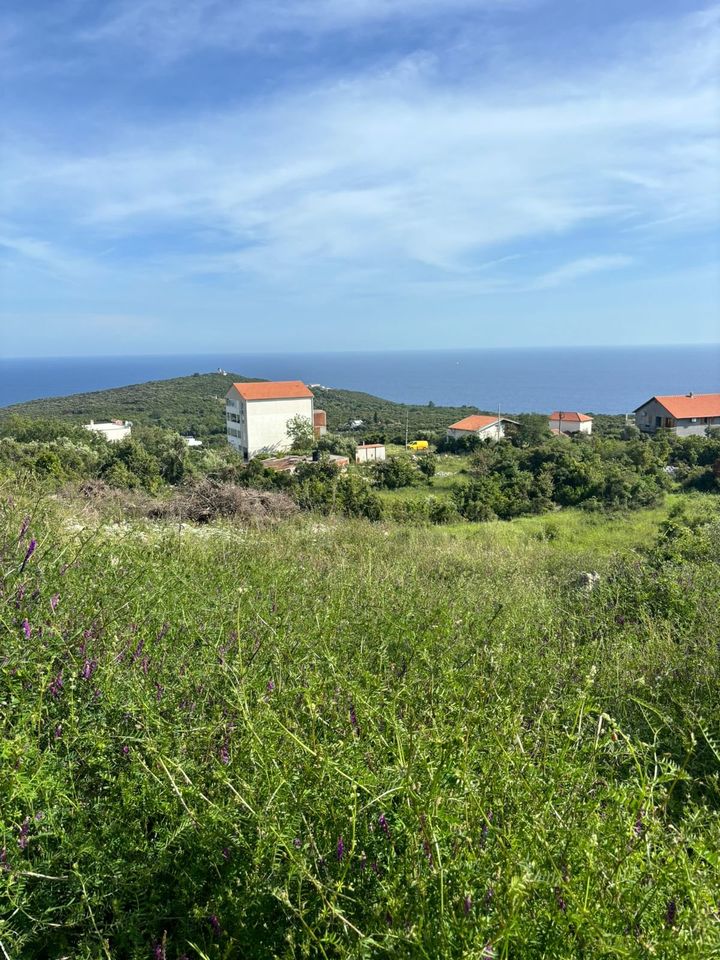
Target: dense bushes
<point>506,481</point>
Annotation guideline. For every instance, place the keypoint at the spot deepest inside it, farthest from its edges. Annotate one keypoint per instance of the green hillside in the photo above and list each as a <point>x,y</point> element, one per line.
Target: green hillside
<point>195,405</point>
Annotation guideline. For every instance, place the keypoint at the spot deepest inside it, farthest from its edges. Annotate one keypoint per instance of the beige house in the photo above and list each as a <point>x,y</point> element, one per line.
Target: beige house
<point>257,415</point>
<point>686,415</point>
<point>478,425</point>
<point>570,421</point>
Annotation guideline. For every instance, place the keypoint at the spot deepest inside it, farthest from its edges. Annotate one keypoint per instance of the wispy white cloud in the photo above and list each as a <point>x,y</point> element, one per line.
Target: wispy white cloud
<point>577,269</point>
<point>168,29</point>
<point>401,176</point>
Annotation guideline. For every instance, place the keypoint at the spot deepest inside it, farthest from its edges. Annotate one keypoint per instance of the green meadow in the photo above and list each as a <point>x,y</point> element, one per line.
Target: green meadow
<point>324,737</point>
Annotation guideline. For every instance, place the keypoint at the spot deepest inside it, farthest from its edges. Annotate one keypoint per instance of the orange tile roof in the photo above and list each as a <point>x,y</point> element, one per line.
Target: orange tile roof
<point>570,415</point>
<point>273,390</point>
<point>472,423</point>
<point>684,407</point>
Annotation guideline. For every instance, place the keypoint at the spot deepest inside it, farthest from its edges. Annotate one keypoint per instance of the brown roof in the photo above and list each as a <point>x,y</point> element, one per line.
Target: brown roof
<point>273,390</point>
<point>474,422</point>
<point>367,446</point>
<point>685,407</point>
<point>570,415</point>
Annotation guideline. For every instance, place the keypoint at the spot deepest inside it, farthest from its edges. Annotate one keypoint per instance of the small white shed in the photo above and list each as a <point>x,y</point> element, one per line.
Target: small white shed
<point>369,452</point>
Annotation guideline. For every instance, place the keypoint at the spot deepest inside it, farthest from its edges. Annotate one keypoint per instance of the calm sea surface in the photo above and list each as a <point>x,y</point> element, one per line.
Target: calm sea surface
<point>594,379</point>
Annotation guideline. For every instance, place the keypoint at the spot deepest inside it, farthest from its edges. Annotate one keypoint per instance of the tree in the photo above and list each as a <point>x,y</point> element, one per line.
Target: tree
<point>532,429</point>
<point>300,431</point>
<point>427,465</point>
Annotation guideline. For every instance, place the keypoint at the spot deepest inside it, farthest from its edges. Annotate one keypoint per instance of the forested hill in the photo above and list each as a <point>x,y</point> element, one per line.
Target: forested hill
<point>195,405</point>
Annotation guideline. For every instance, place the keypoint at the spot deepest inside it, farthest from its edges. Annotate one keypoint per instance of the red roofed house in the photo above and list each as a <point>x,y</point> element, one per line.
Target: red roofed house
<point>487,428</point>
<point>686,415</point>
<point>257,415</point>
<point>569,421</point>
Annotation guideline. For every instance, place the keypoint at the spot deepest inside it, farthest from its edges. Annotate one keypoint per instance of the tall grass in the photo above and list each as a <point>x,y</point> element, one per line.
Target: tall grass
<point>344,740</point>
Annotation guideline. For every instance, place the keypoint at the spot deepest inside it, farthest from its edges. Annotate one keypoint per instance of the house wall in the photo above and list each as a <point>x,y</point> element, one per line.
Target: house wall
<point>572,426</point>
<point>646,420</point>
<point>260,426</point>
<point>493,431</point>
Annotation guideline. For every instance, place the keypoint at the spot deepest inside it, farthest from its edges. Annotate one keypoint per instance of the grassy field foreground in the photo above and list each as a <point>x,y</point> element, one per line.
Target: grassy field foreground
<point>334,739</point>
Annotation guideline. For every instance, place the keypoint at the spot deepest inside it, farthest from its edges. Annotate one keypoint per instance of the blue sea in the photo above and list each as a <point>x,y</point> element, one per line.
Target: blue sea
<point>592,379</point>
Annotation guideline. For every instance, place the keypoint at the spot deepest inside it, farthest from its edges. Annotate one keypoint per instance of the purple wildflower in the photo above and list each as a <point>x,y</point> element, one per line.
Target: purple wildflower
<point>488,952</point>
<point>225,754</point>
<point>26,628</point>
<point>340,848</point>
<point>159,691</point>
<point>145,665</point>
<point>384,826</point>
<point>163,630</point>
<point>158,952</point>
<point>270,686</point>
<point>20,593</point>
<point>58,731</point>
<point>23,835</point>
<point>138,650</point>
<point>639,828</point>
<point>125,750</point>
<point>24,528</point>
<point>670,913</point>
<point>467,904</point>
<point>3,860</point>
<point>562,905</point>
<point>215,924</point>
<point>88,669</point>
<point>28,553</point>
<point>354,721</point>
<point>56,685</point>
<point>54,600</point>
<point>297,843</point>
<point>375,868</point>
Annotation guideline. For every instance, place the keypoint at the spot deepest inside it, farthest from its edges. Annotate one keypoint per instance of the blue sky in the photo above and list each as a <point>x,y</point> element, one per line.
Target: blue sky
<point>292,175</point>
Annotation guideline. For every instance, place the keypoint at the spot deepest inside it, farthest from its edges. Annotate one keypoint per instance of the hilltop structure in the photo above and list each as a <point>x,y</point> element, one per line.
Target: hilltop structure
<point>258,415</point>
<point>685,415</point>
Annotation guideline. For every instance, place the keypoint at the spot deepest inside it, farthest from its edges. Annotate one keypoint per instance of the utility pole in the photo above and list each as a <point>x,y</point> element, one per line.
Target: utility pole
<point>407,428</point>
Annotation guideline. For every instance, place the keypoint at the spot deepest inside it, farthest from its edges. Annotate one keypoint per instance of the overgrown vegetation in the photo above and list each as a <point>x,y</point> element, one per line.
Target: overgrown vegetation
<point>498,480</point>
<point>350,740</point>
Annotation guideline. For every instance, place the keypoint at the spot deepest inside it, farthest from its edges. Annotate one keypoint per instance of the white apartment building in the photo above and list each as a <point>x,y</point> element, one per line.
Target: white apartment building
<point>257,415</point>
